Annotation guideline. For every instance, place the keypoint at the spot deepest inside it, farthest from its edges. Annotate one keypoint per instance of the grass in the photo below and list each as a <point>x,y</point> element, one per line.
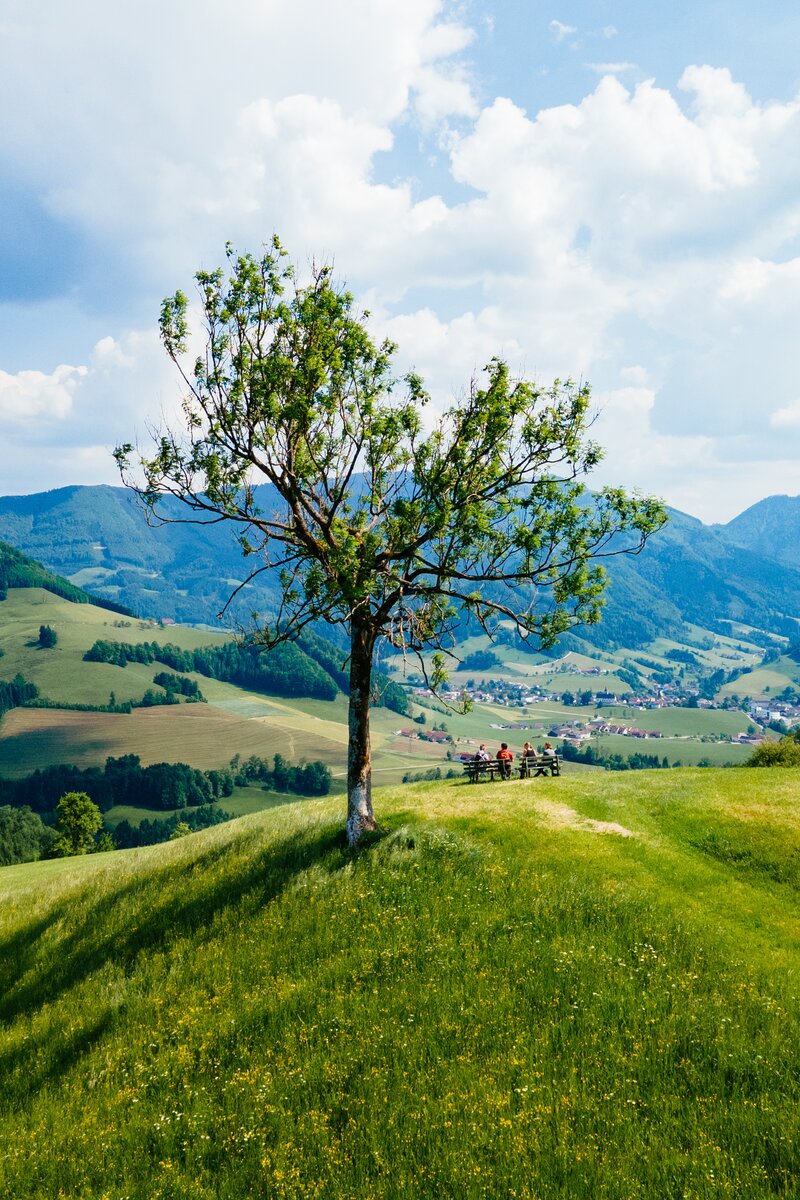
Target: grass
<point>237,721</point>
<point>563,988</point>
<point>233,721</point>
<point>680,722</point>
<point>763,682</point>
<point>241,802</point>
<point>688,751</point>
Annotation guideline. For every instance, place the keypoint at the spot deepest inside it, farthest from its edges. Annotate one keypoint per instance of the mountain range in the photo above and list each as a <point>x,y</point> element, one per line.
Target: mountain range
<point>746,571</point>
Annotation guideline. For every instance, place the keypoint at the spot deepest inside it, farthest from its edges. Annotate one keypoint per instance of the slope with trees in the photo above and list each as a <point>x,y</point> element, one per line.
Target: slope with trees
<point>17,570</point>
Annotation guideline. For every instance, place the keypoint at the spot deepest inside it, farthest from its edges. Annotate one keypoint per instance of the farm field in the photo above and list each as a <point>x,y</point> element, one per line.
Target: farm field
<point>680,722</point>
<point>199,734</point>
<point>237,721</point>
<point>556,988</point>
<point>689,752</point>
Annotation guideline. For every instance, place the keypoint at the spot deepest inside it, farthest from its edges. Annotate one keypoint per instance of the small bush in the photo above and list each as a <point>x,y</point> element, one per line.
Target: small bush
<point>785,753</point>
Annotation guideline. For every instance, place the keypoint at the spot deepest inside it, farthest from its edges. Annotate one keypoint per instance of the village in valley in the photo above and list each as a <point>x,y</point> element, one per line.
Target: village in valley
<point>594,708</point>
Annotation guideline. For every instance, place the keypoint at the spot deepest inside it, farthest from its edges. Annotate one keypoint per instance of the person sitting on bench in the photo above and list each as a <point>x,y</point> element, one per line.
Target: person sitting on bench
<point>505,758</point>
<point>528,759</point>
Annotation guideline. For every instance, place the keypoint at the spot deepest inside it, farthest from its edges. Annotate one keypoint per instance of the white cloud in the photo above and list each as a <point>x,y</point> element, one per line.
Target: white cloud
<point>561,31</point>
<point>645,238</point>
<point>32,396</point>
<point>151,160</point>
<point>787,417</point>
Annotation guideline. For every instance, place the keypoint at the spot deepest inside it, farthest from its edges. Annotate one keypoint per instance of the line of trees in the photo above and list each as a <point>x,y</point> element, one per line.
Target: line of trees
<point>309,779</point>
<point>167,786</point>
<point>311,669</point>
<point>164,829</point>
<point>592,757</point>
<point>79,829</point>
<point>283,671</point>
<point>178,685</point>
<point>121,781</point>
<point>16,692</point>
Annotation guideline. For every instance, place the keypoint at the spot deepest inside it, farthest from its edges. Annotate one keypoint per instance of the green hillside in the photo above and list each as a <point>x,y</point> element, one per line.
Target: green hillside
<point>238,720</point>
<point>583,987</point>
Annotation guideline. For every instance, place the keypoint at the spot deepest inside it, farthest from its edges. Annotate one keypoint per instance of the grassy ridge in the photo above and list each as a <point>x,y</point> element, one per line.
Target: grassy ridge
<point>575,987</point>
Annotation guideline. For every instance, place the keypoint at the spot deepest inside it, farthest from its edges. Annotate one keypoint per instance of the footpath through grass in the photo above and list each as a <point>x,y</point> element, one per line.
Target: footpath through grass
<point>584,987</point>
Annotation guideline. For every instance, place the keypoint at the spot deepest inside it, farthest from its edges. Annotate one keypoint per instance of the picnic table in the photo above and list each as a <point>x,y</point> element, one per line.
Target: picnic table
<point>528,768</point>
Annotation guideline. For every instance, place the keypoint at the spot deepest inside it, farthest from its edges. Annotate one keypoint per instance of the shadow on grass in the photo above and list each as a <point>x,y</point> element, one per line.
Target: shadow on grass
<point>175,903</point>
<point>25,1073</point>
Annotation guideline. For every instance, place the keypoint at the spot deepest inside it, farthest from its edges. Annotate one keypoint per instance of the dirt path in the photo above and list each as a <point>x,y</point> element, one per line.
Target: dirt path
<point>561,816</point>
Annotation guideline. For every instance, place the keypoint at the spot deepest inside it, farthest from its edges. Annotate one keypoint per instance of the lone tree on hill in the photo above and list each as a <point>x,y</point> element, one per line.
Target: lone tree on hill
<point>394,526</point>
<point>47,637</point>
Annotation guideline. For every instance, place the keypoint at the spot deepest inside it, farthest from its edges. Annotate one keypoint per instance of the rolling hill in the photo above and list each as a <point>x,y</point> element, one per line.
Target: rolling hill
<point>234,719</point>
<point>586,988</point>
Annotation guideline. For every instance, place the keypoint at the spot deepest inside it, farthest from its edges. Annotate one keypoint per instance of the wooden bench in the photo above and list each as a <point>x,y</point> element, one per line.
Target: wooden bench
<point>528,768</point>
<point>476,767</point>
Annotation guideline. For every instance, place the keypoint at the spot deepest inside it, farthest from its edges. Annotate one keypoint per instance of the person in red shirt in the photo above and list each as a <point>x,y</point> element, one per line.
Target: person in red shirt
<point>505,758</point>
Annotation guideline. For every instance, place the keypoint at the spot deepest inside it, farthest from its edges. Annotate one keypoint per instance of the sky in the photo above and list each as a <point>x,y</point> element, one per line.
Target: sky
<point>606,191</point>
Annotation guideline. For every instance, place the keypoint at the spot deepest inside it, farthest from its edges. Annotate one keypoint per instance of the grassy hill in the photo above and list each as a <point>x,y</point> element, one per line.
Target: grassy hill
<point>583,987</point>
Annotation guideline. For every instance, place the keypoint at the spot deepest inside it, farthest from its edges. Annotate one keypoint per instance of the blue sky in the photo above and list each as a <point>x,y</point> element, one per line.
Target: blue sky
<point>607,190</point>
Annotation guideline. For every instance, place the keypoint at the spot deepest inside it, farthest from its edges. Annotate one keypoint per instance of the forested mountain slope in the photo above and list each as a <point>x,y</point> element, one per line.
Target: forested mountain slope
<point>97,536</point>
<point>770,528</point>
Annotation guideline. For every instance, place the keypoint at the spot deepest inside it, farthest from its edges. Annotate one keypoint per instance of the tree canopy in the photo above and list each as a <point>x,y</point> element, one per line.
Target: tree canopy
<point>79,820</point>
<point>383,516</point>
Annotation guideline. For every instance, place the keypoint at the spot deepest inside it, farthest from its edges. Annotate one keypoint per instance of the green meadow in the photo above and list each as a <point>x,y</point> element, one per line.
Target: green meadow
<point>575,987</point>
<point>61,674</point>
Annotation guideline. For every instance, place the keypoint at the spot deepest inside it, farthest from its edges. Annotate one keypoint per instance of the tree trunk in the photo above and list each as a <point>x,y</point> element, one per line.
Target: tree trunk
<point>359,761</point>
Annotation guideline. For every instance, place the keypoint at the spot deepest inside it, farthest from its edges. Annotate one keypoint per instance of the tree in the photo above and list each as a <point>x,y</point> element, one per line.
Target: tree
<point>47,637</point>
<point>398,527</point>
<point>79,820</point>
<point>23,836</point>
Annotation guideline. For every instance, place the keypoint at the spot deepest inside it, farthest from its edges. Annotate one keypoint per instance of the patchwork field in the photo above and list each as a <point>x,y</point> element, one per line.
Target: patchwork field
<point>61,674</point>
